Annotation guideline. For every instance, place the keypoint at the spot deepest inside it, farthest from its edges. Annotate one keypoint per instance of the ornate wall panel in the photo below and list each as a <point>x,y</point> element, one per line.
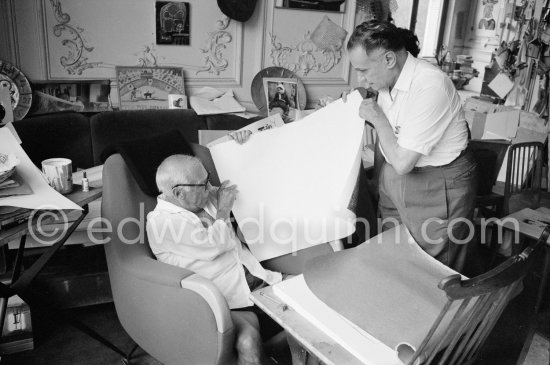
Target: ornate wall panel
<point>87,39</point>
<point>288,43</point>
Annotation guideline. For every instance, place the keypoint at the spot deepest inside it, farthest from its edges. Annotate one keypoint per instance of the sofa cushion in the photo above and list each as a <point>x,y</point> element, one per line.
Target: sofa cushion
<point>111,128</point>
<point>228,122</point>
<point>64,134</point>
<point>143,156</point>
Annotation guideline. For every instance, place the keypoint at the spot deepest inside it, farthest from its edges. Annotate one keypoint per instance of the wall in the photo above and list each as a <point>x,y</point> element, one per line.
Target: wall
<point>480,42</point>
<point>84,40</point>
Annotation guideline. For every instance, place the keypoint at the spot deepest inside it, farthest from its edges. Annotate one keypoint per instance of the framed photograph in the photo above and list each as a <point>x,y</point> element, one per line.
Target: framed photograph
<point>281,97</point>
<point>177,101</point>
<point>148,87</point>
<point>80,96</point>
<point>322,5</point>
<point>172,20</point>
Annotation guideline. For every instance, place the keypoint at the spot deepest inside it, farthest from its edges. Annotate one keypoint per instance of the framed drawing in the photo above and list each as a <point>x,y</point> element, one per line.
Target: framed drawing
<point>148,87</point>
<point>281,97</point>
<point>172,20</point>
<point>485,26</point>
<point>322,5</point>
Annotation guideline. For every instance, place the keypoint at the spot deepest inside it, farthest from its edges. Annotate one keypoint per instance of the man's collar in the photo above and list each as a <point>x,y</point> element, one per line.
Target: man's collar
<point>173,208</point>
<point>405,77</point>
<point>169,207</point>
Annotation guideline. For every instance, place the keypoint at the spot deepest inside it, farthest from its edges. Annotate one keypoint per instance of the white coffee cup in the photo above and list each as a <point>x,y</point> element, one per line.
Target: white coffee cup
<point>59,173</point>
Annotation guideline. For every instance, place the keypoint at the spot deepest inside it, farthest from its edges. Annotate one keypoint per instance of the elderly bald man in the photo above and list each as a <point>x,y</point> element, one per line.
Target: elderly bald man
<point>190,227</point>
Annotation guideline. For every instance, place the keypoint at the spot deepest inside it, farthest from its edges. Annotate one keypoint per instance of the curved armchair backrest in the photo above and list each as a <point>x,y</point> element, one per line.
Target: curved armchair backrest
<point>172,324</point>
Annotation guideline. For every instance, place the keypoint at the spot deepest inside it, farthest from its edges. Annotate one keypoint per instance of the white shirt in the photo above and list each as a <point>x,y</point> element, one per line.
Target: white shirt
<point>426,113</point>
<point>178,237</point>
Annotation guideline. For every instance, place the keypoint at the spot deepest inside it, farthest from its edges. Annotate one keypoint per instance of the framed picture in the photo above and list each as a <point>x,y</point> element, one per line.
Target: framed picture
<point>177,101</point>
<point>281,97</point>
<point>148,87</point>
<point>486,22</point>
<point>172,20</point>
<point>80,96</point>
<point>322,5</point>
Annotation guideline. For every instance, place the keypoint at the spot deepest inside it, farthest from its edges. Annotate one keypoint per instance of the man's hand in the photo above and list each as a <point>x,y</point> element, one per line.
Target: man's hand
<point>365,93</point>
<point>226,198</point>
<point>241,136</point>
<point>370,111</point>
<point>324,101</point>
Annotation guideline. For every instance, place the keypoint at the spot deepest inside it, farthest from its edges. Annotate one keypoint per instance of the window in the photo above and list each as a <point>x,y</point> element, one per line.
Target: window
<point>425,18</point>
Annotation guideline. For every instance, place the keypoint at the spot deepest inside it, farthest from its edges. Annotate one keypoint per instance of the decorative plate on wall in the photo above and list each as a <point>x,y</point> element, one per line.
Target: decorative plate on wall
<point>257,88</point>
<point>20,89</point>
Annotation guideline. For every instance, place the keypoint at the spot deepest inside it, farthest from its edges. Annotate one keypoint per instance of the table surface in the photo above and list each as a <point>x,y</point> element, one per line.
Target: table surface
<point>77,196</point>
<point>537,219</point>
<point>312,338</point>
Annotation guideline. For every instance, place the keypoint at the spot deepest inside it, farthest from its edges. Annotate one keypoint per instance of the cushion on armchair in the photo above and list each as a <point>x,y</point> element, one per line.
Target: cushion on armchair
<point>143,156</point>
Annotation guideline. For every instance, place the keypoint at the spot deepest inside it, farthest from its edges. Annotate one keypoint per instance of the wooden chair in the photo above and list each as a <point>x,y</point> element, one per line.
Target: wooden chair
<point>483,299</point>
<point>489,155</point>
<point>523,177</point>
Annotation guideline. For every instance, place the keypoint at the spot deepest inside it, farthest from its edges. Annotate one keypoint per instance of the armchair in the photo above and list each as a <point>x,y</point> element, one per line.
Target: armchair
<point>171,313</point>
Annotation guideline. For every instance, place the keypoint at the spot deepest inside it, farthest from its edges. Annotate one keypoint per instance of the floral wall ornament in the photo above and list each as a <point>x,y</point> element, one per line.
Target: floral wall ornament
<point>305,56</point>
<point>148,57</point>
<point>74,62</point>
<point>214,60</point>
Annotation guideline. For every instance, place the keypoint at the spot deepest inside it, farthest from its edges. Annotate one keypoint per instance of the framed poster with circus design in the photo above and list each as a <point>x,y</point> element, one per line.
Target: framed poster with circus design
<point>148,87</point>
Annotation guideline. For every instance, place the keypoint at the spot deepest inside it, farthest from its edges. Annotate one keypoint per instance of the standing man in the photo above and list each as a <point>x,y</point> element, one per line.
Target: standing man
<point>428,180</point>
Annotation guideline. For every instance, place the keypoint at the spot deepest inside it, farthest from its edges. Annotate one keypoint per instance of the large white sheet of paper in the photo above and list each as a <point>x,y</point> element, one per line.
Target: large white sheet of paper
<point>43,196</point>
<point>295,182</point>
<point>362,345</point>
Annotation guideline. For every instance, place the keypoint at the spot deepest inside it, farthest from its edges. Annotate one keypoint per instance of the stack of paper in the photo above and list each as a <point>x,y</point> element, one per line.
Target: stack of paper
<point>43,196</point>
<point>387,286</point>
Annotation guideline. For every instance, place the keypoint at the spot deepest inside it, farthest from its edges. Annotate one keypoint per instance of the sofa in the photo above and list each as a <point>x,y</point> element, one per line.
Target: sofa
<point>83,137</point>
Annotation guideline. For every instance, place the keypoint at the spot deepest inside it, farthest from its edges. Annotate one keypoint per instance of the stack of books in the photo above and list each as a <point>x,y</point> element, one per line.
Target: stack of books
<point>465,62</point>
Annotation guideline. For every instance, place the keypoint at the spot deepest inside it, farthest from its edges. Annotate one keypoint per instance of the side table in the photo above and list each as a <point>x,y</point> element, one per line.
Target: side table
<point>21,281</point>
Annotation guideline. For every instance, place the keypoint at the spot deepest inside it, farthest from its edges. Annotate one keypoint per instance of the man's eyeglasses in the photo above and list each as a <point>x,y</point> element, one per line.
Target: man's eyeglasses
<point>205,184</point>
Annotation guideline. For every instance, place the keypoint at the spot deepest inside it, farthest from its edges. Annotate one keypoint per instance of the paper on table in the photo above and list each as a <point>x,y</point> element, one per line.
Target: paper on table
<point>44,196</point>
<point>387,286</point>
<point>13,131</point>
<point>527,221</point>
<point>359,343</point>
<point>295,181</point>
<point>20,187</point>
<point>223,104</point>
